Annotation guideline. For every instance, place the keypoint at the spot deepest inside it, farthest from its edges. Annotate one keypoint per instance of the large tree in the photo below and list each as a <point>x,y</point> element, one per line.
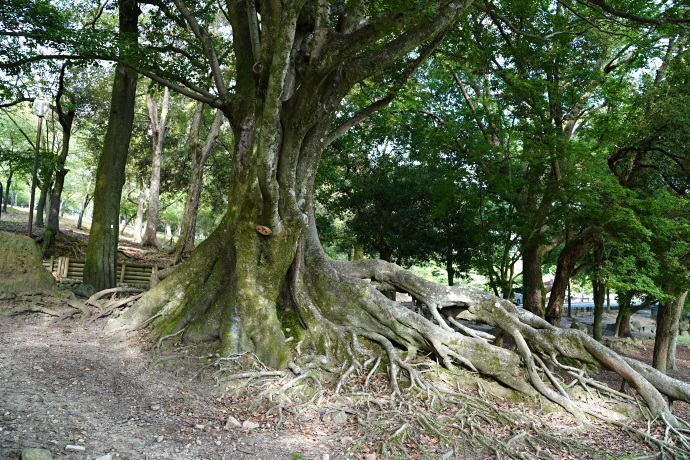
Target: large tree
<point>265,261</point>
<point>280,82</point>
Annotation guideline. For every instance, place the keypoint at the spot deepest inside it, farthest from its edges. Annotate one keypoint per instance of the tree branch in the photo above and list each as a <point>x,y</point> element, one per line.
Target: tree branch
<point>645,20</point>
<point>194,92</point>
<point>374,61</point>
<point>205,39</point>
<point>394,90</point>
<point>517,30</point>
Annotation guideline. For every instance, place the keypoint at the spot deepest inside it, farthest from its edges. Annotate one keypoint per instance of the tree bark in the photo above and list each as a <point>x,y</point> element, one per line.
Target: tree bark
<point>662,341</point>
<point>198,154</point>
<point>43,197</point>
<point>573,251</point>
<point>100,269</point>
<point>599,289</point>
<point>676,312</point>
<point>66,118</point>
<point>84,204</point>
<point>137,227</point>
<point>599,294</point>
<point>533,294</point>
<point>158,131</point>
<point>624,313</point>
<point>7,191</point>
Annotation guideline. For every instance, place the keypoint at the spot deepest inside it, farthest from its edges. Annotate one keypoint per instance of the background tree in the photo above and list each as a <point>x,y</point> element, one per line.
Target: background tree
<point>159,130</point>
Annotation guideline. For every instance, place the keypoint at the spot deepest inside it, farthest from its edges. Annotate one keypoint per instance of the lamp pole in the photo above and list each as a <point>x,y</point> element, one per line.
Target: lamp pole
<point>40,108</point>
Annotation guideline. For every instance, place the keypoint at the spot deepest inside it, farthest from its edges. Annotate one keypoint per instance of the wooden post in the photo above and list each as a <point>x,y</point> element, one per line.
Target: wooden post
<point>122,273</point>
<point>65,267</point>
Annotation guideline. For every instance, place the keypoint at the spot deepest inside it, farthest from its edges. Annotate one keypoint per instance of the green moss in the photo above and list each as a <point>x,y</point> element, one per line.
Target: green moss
<point>290,325</point>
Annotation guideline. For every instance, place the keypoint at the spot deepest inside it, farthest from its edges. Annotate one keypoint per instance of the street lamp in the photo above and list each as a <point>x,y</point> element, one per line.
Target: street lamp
<point>40,109</point>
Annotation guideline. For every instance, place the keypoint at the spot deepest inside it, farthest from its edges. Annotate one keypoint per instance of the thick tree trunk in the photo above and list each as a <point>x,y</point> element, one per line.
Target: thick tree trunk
<point>199,155</point>
<point>573,251</point>
<point>357,251</point>
<point>533,294</point>
<point>662,340</point>
<point>100,269</point>
<point>158,130</point>
<point>622,328</point>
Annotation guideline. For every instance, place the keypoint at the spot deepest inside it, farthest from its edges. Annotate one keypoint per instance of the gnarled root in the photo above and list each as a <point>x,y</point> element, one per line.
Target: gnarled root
<point>539,344</point>
<point>61,304</point>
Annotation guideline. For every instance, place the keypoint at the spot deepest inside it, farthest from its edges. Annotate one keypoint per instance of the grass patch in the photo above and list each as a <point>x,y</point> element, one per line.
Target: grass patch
<point>684,339</point>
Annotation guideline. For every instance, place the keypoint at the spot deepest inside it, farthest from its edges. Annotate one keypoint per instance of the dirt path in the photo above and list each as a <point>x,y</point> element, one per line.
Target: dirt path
<point>68,385</point>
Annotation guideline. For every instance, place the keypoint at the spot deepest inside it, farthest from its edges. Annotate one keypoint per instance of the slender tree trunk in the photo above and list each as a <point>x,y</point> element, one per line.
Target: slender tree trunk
<point>7,192</point>
<point>676,312</point>
<point>53,220</point>
<point>599,294</point>
<point>599,291</point>
<point>532,284</point>
<point>2,196</point>
<point>449,268</point>
<point>84,204</point>
<point>139,216</point>
<point>199,154</point>
<point>41,205</point>
<point>100,269</point>
<point>158,129</point>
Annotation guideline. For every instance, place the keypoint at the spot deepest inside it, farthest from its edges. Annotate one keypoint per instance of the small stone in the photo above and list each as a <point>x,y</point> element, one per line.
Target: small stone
<point>105,457</point>
<point>370,457</point>
<point>160,439</point>
<point>218,443</point>
<point>249,425</point>
<point>72,448</point>
<point>155,407</point>
<point>345,440</point>
<point>339,417</point>
<point>325,457</point>
<point>36,454</point>
<point>232,421</point>
<point>199,427</point>
<point>198,441</point>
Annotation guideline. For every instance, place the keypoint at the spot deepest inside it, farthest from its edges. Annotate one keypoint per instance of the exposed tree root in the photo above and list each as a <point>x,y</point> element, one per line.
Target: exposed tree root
<point>61,304</point>
<point>338,304</point>
<point>118,290</point>
<point>432,417</point>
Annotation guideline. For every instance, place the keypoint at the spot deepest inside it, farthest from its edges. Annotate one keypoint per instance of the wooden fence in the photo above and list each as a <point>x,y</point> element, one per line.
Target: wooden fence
<point>66,268</point>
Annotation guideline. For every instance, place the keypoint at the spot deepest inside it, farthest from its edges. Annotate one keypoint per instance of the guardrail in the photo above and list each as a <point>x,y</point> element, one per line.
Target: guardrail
<point>64,268</point>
